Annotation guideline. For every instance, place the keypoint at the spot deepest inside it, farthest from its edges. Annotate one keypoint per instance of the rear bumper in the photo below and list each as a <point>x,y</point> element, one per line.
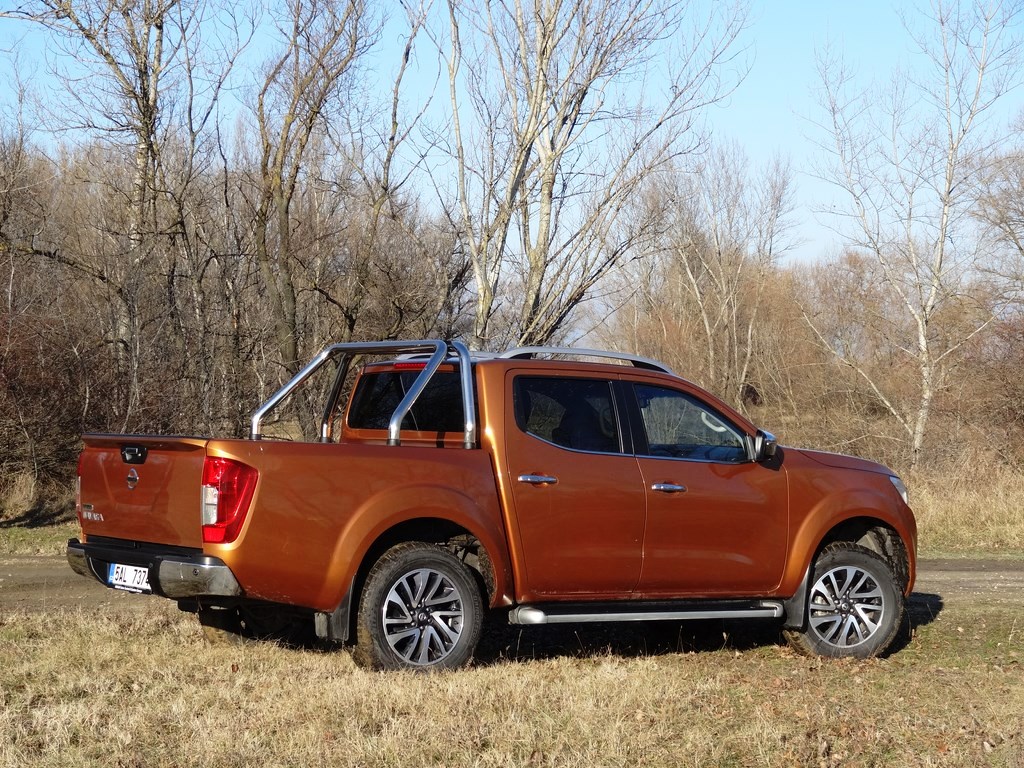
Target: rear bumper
<point>176,575</point>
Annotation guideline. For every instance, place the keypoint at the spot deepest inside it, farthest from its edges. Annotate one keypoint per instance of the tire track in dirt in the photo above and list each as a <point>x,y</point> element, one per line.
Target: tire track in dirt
<point>39,583</point>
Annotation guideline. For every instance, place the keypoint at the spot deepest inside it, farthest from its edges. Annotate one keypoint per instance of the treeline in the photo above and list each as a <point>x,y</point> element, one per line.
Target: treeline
<point>180,229</point>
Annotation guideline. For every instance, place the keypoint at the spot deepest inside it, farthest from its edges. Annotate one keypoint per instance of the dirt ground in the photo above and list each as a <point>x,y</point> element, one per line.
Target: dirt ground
<point>45,583</point>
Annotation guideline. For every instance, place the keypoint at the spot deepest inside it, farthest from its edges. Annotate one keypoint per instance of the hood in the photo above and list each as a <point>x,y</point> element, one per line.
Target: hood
<point>840,461</point>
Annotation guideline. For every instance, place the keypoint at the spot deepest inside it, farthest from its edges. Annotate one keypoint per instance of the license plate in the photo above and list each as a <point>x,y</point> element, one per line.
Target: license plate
<point>129,577</point>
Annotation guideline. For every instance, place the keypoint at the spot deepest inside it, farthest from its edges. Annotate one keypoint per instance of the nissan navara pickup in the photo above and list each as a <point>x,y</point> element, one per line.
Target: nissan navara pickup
<point>543,485</point>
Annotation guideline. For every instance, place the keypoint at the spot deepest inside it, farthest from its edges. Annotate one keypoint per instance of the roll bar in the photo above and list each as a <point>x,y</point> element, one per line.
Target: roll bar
<point>437,350</point>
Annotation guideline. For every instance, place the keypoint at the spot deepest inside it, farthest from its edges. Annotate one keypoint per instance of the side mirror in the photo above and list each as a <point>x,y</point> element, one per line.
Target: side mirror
<point>765,445</point>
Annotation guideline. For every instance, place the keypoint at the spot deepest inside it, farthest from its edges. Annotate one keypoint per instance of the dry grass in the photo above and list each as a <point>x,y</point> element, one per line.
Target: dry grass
<point>141,689</point>
<point>43,540</point>
<point>17,494</point>
<point>970,512</point>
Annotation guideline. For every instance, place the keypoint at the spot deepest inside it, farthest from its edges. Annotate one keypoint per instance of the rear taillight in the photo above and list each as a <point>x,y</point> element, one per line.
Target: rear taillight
<point>228,486</point>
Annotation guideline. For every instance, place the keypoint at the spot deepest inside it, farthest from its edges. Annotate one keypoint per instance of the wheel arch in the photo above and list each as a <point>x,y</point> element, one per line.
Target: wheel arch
<point>878,536</point>
<point>459,540</point>
<point>425,527</point>
<point>865,529</point>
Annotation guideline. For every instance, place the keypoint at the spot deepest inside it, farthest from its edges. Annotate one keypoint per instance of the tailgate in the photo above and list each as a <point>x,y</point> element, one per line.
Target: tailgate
<point>143,488</point>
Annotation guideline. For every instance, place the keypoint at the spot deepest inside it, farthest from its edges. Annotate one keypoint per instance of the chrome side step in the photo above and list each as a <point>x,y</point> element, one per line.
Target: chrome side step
<point>615,612</point>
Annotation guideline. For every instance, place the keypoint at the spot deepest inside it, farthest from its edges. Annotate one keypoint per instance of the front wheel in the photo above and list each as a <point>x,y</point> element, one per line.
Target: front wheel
<point>854,607</point>
<point>420,609</point>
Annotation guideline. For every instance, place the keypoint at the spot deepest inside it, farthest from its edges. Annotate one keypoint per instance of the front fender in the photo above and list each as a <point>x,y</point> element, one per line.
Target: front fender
<point>835,509</point>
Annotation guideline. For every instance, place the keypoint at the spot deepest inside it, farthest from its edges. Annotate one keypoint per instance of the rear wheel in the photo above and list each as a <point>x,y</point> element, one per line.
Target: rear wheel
<point>420,609</point>
<point>854,607</point>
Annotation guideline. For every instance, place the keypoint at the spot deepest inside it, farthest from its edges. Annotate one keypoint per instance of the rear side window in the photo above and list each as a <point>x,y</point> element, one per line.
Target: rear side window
<point>571,413</point>
<point>438,408</point>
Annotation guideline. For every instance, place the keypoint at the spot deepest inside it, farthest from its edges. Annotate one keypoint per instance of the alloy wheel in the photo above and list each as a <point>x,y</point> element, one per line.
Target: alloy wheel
<point>423,617</point>
<point>846,607</point>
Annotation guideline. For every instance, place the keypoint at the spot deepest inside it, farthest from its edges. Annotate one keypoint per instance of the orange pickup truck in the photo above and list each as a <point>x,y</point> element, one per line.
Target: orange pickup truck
<point>444,485</point>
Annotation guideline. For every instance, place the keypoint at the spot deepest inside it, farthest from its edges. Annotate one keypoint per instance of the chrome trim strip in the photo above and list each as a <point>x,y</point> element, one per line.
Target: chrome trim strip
<point>173,578</point>
<point>527,615</point>
<point>438,351</point>
<point>468,396</point>
<point>395,425</point>
<point>531,615</point>
<point>436,346</point>
<point>537,479</point>
<point>78,561</point>
<point>668,487</point>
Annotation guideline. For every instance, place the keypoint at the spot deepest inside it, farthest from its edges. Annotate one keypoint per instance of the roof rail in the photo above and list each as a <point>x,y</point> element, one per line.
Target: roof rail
<point>524,353</point>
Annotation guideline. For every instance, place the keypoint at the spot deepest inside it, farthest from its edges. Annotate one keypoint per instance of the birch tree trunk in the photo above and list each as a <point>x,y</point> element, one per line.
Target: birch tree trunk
<point>552,140</point>
<point>910,160</point>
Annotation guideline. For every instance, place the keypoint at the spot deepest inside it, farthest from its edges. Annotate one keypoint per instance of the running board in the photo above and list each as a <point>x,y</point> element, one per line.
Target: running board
<point>582,613</point>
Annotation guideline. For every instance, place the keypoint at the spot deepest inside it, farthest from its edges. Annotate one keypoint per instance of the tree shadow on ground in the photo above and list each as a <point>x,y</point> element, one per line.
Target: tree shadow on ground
<point>40,516</point>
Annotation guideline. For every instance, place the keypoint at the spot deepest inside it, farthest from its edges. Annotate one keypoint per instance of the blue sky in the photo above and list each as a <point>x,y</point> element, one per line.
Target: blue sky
<point>773,110</point>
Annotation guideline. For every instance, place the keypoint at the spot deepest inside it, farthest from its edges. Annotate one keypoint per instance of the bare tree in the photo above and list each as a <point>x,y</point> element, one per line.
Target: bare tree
<point>301,91</point>
<point>136,79</point>
<point>697,302</point>
<point>560,111</point>
<point>26,186</point>
<point>909,158</point>
<point>1001,209</point>
<point>398,271</point>
<point>725,243</point>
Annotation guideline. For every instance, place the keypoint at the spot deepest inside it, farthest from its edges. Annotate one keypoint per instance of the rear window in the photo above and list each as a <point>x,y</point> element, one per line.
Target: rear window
<point>572,413</point>
<point>438,408</point>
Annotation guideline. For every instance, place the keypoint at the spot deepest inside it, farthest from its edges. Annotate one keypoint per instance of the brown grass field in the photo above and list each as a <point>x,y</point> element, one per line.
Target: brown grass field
<point>138,686</point>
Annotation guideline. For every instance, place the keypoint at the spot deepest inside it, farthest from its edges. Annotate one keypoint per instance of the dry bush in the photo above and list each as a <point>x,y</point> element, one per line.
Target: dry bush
<point>975,509</point>
<point>18,494</point>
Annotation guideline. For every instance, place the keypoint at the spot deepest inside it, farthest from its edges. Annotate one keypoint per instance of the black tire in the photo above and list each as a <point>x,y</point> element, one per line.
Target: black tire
<point>854,607</point>
<point>420,609</point>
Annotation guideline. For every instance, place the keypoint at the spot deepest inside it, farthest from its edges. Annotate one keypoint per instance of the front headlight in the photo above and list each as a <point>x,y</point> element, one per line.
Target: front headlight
<point>901,488</point>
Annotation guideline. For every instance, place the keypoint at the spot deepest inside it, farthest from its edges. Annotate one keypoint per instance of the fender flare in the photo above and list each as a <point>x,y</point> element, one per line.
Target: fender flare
<point>384,513</point>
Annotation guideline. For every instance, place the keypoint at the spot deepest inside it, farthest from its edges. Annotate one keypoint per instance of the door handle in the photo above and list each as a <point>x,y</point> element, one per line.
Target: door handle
<point>538,479</point>
<point>668,487</point>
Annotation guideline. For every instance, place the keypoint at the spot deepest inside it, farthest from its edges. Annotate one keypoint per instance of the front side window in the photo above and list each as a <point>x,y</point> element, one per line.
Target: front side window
<point>680,426</point>
<point>572,413</point>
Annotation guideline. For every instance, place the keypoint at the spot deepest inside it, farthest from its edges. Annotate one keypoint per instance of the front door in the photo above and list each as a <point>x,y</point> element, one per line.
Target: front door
<point>578,494</point>
<point>717,523</point>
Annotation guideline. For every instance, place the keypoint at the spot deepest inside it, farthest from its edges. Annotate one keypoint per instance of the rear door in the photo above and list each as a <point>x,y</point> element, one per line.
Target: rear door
<point>717,523</point>
<point>143,488</point>
<point>577,490</point>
